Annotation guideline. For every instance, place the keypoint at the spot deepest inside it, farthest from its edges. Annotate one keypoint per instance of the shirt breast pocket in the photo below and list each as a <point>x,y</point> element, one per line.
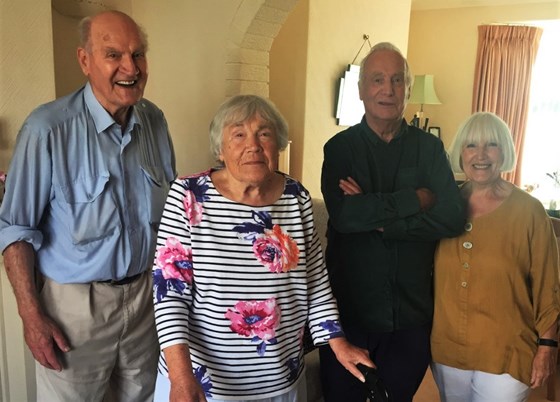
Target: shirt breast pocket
<point>92,212</point>
<point>156,187</point>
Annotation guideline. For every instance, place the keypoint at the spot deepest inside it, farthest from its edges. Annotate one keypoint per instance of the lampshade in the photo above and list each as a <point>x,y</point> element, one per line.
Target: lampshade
<point>423,92</point>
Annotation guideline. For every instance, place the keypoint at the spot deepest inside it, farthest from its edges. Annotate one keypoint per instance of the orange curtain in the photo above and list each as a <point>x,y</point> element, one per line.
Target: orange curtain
<point>505,58</point>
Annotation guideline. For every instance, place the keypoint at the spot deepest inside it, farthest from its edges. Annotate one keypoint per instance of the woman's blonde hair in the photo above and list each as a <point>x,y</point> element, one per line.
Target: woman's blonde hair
<point>481,128</point>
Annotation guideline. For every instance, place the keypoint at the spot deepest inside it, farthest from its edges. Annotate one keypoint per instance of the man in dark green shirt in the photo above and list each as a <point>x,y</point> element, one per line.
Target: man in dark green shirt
<point>391,195</point>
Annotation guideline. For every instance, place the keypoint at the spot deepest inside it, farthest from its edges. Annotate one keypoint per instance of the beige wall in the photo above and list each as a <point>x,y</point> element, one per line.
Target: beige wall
<point>315,57</point>
<point>26,79</point>
<point>187,57</point>
<point>26,65</point>
<point>68,75</point>
<point>288,76</point>
<point>444,43</point>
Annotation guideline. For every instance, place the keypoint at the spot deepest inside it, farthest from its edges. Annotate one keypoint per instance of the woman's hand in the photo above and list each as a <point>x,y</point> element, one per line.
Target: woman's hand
<point>544,362</point>
<point>184,386</point>
<point>186,390</point>
<point>544,365</point>
<point>349,356</point>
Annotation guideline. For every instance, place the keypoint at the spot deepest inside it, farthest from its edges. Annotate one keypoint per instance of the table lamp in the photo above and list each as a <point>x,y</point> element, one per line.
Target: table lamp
<point>423,93</point>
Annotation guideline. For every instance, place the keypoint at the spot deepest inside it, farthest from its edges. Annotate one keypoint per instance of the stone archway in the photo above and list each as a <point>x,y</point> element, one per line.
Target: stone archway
<point>247,62</point>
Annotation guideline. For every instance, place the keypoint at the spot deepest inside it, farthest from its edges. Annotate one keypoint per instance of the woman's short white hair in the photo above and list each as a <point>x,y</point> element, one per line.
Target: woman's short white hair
<point>481,128</point>
<point>241,108</point>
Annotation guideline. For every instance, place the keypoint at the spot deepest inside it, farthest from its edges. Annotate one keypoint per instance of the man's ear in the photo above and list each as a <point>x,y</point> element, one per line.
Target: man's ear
<point>83,60</point>
<point>360,91</point>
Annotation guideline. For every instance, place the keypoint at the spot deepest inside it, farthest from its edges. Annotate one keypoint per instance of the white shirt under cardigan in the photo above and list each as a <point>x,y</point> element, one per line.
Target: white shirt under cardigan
<point>238,284</point>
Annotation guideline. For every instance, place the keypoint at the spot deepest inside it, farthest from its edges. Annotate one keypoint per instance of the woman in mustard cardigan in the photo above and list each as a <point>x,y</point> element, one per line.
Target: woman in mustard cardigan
<point>496,285</point>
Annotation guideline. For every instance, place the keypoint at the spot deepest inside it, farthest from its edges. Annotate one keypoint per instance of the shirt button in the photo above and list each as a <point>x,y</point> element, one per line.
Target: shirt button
<point>467,245</point>
<point>464,284</point>
<point>468,226</point>
<point>466,265</point>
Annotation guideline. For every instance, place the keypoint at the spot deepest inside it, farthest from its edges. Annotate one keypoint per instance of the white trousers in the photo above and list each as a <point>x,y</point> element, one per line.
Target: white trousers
<point>297,394</point>
<point>456,385</point>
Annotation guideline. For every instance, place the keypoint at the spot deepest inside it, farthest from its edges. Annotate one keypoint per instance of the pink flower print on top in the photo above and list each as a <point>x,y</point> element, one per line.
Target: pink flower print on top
<point>195,195</point>
<point>175,261</point>
<point>192,208</point>
<point>273,248</point>
<point>256,319</point>
<point>276,250</point>
<point>173,270</point>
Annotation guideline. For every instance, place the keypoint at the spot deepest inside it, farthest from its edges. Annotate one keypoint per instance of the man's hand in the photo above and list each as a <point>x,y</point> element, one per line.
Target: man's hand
<point>349,186</point>
<point>426,197</point>
<point>41,334</point>
<point>43,337</point>
<point>349,356</point>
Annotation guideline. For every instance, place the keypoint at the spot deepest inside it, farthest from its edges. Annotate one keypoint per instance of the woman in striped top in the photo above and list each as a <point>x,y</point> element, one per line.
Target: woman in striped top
<point>239,271</point>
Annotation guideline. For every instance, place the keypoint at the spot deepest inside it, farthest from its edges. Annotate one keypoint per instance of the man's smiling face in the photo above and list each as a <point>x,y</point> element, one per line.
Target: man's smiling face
<point>115,63</point>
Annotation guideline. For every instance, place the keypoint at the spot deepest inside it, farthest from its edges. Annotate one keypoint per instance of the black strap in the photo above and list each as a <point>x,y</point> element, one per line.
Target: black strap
<point>547,342</point>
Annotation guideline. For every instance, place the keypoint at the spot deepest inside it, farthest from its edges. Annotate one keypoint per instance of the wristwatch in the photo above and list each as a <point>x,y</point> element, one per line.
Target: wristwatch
<point>547,342</point>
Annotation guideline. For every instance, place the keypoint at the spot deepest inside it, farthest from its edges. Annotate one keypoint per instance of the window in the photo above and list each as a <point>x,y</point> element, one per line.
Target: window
<point>541,152</point>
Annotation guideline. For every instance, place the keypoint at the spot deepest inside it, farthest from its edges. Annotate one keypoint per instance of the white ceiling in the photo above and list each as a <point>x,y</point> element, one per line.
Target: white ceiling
<point>432,4</point>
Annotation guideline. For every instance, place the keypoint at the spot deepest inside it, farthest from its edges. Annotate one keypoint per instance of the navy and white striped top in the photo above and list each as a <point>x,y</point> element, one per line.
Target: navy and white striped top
<point>238,284</point>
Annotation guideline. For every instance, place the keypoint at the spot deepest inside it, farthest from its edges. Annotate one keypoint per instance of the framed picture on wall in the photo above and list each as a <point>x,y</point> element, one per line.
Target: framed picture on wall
<point>435,131</point>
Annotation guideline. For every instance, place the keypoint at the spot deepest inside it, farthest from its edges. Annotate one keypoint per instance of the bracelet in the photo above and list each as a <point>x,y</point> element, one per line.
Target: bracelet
<point>547,342</point>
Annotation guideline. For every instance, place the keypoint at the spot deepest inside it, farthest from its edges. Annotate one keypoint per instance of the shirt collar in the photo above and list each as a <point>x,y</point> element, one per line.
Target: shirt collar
<point>101,118</point>
<point>402,130</point>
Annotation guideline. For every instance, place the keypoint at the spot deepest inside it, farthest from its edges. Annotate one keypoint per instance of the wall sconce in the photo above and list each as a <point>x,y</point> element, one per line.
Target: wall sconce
<point>423,93</point>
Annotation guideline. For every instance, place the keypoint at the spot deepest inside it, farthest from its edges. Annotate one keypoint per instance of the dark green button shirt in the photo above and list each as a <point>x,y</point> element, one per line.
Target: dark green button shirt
<point>383,279</point>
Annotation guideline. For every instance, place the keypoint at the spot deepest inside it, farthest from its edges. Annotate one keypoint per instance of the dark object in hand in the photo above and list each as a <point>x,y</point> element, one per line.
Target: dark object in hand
<point>376,389</point>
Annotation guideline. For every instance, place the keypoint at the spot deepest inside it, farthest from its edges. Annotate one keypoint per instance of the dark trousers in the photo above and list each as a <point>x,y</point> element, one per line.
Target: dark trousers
<point>402,358</point>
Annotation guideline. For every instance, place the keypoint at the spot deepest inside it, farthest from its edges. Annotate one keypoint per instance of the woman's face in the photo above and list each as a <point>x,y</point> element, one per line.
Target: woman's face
<point>482,162</point>
<point>250,150</point>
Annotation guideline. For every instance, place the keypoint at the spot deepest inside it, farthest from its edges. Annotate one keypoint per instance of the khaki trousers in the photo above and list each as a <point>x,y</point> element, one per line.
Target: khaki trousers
<point>114,348</point>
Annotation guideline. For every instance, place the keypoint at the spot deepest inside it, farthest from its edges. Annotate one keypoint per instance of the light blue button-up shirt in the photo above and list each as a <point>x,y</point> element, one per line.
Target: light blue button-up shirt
<point>85,193</point>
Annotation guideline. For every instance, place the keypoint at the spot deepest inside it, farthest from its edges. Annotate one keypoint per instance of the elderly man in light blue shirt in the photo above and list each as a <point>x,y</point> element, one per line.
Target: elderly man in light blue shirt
<point>85,191</point>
